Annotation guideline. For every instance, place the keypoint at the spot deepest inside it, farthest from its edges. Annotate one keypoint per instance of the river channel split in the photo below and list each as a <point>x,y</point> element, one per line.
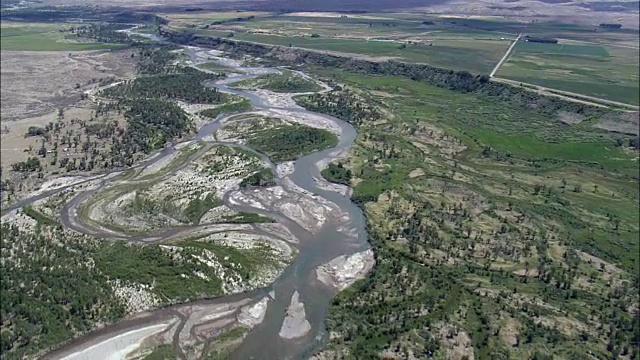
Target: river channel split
<point>292,325</point>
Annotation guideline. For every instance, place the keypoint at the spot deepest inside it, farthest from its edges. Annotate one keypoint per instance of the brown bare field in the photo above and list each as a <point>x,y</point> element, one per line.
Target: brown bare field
<point>35,86</point>
<point>583,12</point>
<point>16,147</point>
<point>36,83</point>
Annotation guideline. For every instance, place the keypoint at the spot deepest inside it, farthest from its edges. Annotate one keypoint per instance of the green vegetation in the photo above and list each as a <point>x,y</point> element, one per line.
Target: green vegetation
<point>151,265</point>
<point>39,217</point>
<point>103,33</point>
<point>337,173</point>
<point>263,177</point>
<point>198,207</point>
<point>37,309</point>
<point>156,59</point>
<point>32,164</point>
<point>289,142</point>
<point>343,104</point>
<point>213,66</point>
<point>152,119</point>
<point>488,219</point>
<point>44,37</point>
<point>247,218</point>
<point>608,72</point>
<point>228,108</point>
<point>162,352</point>
<point>288,82</point>
<point>185,85</point>
<point>151,123</point>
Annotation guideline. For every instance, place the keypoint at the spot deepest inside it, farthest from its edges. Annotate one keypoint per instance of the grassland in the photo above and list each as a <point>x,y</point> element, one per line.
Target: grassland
<point>499,233</point>
<point>206,17</point>
<point>383,37</point>
<point>609,72</point>
<point>462,54</point>
<point>44,37</point>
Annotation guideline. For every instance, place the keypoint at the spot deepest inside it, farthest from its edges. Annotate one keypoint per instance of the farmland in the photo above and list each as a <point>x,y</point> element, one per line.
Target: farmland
<point>599,70</point>
<point>43,37</point>
<point>377,36</point>
<point>601,64</point>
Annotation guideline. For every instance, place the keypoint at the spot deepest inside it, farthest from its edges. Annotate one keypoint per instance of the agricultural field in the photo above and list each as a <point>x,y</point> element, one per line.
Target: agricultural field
<point>588,61</point>
<point>207,17</point>
<point>498,231</point>
<point>605,71</point>
<point>379,37</point>
<point>44,37</point>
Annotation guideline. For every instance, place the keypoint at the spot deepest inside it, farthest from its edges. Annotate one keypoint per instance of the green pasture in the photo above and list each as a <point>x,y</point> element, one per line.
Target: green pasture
<point>43,37</point>
<point>608,72</point>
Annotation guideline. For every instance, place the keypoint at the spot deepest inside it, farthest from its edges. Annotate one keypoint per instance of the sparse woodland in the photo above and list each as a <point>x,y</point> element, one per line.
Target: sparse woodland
<point>130,120</point>
<point>472,258</point>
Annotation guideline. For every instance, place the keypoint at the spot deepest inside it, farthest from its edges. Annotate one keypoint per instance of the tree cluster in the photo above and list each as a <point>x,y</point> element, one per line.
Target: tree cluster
<point>185,85</point>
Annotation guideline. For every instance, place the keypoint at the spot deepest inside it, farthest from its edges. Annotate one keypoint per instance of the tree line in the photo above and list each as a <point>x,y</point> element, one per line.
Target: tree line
<point>455,80</point>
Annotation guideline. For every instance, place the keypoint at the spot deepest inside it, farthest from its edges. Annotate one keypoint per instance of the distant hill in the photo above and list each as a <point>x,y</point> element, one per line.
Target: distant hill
<point>269,5</point>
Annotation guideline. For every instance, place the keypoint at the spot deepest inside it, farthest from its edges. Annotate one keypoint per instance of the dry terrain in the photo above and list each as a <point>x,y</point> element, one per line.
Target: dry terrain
<point>585,12</point>
<point>46,89</point>
<point>36,83</point>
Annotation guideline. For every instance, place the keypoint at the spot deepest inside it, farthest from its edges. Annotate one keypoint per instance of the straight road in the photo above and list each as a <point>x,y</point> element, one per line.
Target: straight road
<point>506,55</point>
<point>569,96</point>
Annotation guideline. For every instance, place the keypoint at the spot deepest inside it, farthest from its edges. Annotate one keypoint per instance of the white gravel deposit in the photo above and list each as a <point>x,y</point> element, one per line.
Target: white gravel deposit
<point>295,324</point>
<point>344,270</point>
<point>117,348</point>
<point>254,314</point>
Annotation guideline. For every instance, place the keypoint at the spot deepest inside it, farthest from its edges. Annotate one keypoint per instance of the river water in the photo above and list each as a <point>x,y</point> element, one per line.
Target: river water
<point>314,249</point>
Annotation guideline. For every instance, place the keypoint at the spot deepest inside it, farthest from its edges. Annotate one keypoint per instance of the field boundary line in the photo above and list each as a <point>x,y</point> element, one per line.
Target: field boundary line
<point>506,55</point>
<point>567,95</point>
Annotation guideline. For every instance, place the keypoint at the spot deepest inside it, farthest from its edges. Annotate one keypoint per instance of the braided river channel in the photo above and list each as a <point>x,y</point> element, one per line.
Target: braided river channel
<point>286,317</point>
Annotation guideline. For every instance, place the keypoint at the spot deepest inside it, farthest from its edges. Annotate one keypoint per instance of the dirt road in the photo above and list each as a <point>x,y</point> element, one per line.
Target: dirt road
<point>569,96</point>
<point>506,55</point>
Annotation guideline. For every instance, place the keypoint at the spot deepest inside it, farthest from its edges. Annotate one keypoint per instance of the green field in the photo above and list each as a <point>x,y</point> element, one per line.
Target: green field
<point>600,64</point>
<point>385,37</point>
<point>524,47</point>
<point>473,56</point>
<point>43,37</point>
<point>609,72</point>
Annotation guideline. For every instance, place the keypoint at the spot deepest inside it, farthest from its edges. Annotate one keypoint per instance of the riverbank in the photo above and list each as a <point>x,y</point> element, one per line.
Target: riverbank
<point>303,220</point>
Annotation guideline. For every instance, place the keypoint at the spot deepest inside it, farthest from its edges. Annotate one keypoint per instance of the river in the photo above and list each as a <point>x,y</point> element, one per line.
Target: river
<point>333,239</point>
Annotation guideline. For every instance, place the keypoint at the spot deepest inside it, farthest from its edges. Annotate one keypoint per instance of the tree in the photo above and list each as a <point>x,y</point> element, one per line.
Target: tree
<point>537,188</point>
